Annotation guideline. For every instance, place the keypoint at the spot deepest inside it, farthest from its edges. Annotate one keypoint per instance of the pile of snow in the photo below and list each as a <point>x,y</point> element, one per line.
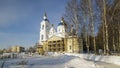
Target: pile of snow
<point>107,59</point>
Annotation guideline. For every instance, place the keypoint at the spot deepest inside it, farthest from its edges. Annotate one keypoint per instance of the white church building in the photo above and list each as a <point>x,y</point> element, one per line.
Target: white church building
<point>47,29</point>
<point>57,40</point>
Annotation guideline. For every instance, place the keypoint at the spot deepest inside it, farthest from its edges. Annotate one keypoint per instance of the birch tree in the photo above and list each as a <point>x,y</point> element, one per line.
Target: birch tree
<point>92,24</point>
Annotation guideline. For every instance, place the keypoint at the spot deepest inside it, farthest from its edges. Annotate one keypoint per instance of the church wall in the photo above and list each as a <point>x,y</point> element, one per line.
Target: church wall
<point>74,45</point>
<point>69,45</point>
<point>55,44</point>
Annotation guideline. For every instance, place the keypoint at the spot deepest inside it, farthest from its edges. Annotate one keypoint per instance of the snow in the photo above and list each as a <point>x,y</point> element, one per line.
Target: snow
<point>58,60</point>
<point>107,59</point>
<point>80,63</point>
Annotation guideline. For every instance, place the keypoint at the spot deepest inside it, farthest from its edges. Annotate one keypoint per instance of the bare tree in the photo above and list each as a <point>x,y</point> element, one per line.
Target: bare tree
<point>109,10</point>
<point>92,23</point>
<point>82,14</point>
<point>72,14</point>
<point>84,8</point>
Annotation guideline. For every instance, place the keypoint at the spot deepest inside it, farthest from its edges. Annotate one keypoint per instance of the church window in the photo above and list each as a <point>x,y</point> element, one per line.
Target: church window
<point>59,30</point>
<point>41,37</point>
<point>42,27</point>
<point>70,48</point>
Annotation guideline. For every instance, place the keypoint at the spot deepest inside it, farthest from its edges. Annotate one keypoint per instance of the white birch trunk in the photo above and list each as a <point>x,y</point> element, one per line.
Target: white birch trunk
<point>106,27</point>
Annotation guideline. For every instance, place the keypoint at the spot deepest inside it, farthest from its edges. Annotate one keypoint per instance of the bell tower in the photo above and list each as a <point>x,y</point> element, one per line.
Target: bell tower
<point>44,29</point>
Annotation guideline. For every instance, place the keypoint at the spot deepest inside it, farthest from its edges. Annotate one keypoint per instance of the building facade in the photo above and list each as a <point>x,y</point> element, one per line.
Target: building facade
<point>57,40</point>
<point>17,49</point>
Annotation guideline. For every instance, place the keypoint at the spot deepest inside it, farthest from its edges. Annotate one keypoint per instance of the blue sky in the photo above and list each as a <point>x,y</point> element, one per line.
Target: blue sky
<point>20,20</point>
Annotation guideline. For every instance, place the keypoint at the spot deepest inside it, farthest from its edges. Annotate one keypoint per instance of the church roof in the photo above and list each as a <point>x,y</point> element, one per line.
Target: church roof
<point>45,17</point>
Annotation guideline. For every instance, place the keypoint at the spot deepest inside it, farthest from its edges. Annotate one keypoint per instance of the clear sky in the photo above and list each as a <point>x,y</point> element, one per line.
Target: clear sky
<point>20,20</point>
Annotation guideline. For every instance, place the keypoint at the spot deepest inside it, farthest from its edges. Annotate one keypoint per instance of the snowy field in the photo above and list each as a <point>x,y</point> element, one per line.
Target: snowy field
<point>59,61</point>
<point>102,58</point>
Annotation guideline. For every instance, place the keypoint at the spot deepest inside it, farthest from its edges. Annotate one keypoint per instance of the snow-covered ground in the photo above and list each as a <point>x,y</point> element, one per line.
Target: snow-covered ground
<point>55,61</point>
<point>102,58</point>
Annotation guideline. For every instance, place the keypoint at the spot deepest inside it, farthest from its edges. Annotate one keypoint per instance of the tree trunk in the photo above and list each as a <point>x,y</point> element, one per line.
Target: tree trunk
<point>92,25</point>
<point>106,27</point>
<point>114,48</point>
<point>104,39</point>
<point>87,43</point>
<point>86,32</point>
<point>119,37</point>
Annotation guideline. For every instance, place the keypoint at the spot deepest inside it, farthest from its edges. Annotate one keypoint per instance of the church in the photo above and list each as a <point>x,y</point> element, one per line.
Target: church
<point>57,40</point>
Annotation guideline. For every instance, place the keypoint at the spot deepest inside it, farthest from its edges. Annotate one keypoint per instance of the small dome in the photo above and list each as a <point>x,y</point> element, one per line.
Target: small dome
<point>52,30</point>
<point>46,20</point>
<point>60,24</point>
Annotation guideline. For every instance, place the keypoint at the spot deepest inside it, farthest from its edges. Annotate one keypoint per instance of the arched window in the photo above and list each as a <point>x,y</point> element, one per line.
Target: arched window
<point>42,27</point>
<point>42,37</point>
